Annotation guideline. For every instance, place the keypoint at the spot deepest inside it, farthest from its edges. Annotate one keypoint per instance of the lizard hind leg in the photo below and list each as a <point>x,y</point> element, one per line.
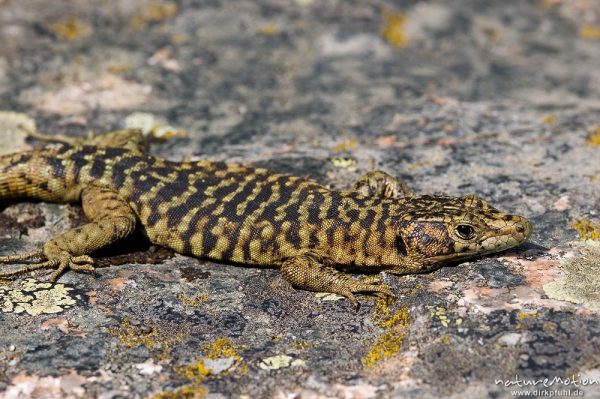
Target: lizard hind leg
<point>307,271</point>
<point>111,219</point>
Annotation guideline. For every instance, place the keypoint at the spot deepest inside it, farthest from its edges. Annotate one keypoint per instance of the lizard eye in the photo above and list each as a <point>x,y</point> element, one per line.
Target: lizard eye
<point>465,231</point>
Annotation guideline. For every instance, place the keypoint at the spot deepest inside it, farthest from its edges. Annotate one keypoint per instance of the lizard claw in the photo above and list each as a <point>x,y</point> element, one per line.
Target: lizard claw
<point>77,263</point>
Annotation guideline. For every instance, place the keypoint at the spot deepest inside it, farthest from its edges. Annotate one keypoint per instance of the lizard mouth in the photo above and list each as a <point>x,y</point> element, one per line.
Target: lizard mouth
<point>512,234</point>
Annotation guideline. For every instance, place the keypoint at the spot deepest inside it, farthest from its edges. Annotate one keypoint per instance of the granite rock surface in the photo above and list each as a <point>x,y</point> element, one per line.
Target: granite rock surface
<point>499,99</point>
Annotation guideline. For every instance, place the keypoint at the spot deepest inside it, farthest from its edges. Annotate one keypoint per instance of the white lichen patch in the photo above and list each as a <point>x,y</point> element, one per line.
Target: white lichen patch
<point>580,283</point>
<point>328,296</point>
<point>275,362</point>
<point>34,298</point>
<point>151,125</point>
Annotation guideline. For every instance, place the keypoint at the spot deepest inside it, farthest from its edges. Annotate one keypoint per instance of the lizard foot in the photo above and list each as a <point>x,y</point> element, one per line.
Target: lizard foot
<point>63,262</point>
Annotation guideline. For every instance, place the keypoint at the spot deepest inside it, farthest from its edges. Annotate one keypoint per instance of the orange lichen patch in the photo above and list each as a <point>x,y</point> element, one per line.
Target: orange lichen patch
<point>591,32</point>
<point>439,285</point>
<point>153,13</point>
<point>395,325</point>
<point>587,230</point>
<point>593,139</point>
<point>108,92</point>
<point>393,29</point>
<point>71,29</point>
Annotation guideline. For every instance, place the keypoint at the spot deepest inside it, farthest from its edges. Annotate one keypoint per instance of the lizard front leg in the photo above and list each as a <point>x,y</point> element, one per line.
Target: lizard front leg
<point>308,272</point>
<point>381,184</point>
<point>111,219</point>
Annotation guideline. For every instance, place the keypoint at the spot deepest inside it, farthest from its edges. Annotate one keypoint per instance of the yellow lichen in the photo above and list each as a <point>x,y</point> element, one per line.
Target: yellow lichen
<point>439,313</point>
<point>549,120</point>
<point>133,335</point>
<point>221,357</point>
<point>35,298</point>
<point>218,349</point>
<point>195,301</point>
<point>587,230</point>
<point>189,391</point>
<point>593,139</point>
<point>302,345</point>
<point>395,325</point>
<point>523,315</point>
<point>71,29</point>
<point>393,29</point>
<point>153,13</point>
<point>269,30</point>
<point>590,32</point>
<point>346,145</point>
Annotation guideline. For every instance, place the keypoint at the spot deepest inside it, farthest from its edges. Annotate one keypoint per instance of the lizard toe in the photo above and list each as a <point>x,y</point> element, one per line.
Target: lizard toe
<point>76,263</point>
<point>371,280</point>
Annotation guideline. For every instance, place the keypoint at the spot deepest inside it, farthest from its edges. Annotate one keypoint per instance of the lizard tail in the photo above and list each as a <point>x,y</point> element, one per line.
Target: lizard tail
<point>29,175</point>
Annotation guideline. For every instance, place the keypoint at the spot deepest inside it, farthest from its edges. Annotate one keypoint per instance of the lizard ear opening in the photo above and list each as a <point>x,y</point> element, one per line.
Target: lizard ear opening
<point>401,246</point>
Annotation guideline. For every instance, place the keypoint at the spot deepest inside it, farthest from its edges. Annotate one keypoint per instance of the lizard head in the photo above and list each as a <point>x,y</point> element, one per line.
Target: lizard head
<point>438,229</point>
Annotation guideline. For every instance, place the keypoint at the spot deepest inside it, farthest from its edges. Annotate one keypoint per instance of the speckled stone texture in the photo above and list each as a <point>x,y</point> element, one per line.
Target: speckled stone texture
<point>500,99</point>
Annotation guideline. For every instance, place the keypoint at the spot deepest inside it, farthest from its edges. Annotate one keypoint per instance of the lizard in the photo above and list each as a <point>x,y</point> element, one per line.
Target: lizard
<point>238,214</point>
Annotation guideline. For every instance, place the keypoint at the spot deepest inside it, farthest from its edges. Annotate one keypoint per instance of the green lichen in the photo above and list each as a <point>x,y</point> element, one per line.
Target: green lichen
<point>580,284</point>
<point>34,298</point>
